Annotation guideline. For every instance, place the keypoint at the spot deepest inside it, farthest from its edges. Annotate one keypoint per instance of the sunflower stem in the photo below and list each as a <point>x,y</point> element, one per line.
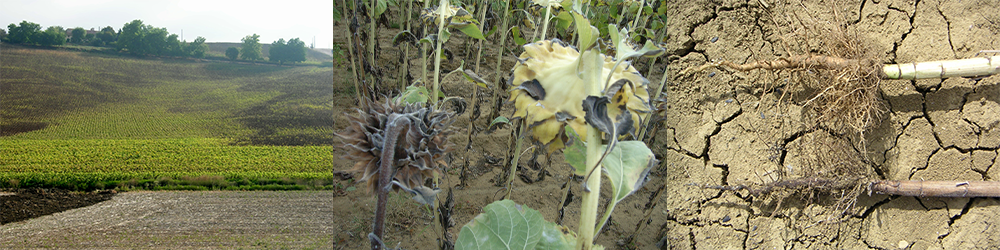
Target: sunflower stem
<point>437,52</point>
<point>350,49</point>
<point>515,160</point>
<point>394,128</point>
<point>545,22</point>
<point>979,66</point>
<point>499,80</point>
<point>591,196</point>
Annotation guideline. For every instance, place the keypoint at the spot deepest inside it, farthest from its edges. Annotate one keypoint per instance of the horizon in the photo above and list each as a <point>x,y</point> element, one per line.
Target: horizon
<point>178,17</point>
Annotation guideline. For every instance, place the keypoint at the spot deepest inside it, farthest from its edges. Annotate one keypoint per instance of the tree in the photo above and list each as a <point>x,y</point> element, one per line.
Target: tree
<point>96,42</point>
<point>174,46</point>
<point>23,33</point>
<point>198,48</point>
<point>251,48</point>
<point>278,52</point>
<point>296,50</point>
<point>53,35</point>
<point>232,53</point>
<point>107,35</point>
<point>78,35</point>
<point>130,37</point>
<point>156,41</point>
<point>3,35</point>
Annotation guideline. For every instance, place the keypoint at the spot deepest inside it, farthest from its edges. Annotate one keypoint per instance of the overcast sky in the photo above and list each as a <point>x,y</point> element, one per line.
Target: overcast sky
<point>216,20</point>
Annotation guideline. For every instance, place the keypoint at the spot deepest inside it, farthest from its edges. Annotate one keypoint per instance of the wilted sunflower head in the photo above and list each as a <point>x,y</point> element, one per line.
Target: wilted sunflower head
<point>548,93</point>
<point>538,6</point>
<point>455,17</point>
<point>418,151</point>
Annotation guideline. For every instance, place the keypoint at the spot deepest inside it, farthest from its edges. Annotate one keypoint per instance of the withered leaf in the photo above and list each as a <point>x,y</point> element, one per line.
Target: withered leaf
<point>596,114</point>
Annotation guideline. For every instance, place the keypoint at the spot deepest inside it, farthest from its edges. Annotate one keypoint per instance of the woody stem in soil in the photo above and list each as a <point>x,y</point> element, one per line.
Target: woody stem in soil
<point>394,129</point>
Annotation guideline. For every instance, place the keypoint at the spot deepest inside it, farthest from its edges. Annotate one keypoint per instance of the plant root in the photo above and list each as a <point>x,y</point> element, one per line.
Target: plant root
<point>794,62</point>
<point>822,184</point>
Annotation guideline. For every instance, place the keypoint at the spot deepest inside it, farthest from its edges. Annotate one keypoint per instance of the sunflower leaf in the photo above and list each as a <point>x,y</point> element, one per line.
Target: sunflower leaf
<point>506,225</point>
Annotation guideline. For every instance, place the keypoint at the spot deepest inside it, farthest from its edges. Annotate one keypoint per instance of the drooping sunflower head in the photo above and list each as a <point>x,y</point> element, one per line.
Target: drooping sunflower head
<point>418,151</point>
<point>548,93</point>
<point>455,17</point>
<point>538,6</point>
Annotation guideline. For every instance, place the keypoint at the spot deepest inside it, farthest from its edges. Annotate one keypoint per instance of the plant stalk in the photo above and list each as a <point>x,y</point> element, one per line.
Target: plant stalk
<point>980,66</point>
<point>371,37</point>
<point>482,17</point>
<point>350,49</point>
<point>937,188</point>
<point>499,80</point>
<point>545,22</point>
<point>423,50</point>
<point>517,158</point>
<point>394,129</point>
<point>638,12</point>
<point>437,52</point>
<point>646,117</point>
<point>588,210</point>
<point>406,49</point>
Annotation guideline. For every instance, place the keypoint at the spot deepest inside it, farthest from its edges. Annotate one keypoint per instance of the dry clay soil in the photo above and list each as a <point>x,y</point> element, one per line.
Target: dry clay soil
<point>721,128</point>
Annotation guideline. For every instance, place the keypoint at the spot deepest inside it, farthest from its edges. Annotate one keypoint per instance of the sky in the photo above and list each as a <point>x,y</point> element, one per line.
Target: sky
<point>216,20</point>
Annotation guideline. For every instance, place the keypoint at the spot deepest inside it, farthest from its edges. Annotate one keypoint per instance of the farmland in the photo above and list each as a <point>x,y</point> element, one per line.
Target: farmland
<point>93,121</point>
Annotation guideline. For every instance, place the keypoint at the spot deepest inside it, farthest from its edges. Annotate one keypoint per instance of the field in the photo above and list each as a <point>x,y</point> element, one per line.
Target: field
<point>92,121</point>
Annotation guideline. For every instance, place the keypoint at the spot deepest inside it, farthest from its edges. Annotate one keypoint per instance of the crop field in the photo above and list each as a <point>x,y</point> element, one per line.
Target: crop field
<point>88,121</point>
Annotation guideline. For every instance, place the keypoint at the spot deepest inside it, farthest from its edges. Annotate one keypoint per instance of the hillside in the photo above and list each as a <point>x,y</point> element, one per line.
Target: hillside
<point>219,49</point>
<point>219,100</point>
<point>87,120</point>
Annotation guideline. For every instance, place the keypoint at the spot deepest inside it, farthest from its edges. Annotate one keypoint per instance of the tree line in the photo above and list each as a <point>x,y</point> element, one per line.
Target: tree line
<point>142,39</point>
<point>280,51</point>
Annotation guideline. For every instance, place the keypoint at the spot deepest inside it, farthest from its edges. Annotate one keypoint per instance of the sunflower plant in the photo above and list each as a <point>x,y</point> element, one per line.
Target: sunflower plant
<point>582,101</point>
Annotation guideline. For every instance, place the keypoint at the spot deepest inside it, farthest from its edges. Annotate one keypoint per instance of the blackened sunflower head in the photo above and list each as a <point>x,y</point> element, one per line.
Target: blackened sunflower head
<point>418,151</point>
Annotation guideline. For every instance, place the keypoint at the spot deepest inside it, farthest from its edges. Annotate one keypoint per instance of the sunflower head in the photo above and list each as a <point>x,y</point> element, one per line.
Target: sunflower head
<point>454,16</point>
<point>419,151</point>
<point>548,93</point>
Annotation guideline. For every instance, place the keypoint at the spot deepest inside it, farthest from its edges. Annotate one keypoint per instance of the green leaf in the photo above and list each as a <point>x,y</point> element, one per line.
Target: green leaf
<point>623,48</point>
<point>500,120</point>
<point>563,20</point>
<point>473,31</point>
<point>380,7</point>
<point>428,39</point>
<point>492,30</point>
<point>576,152</point>
<point>505,225</point>
<point>516,32</point>
<point>445,36</point>
<point>585,32</point>
<point>337,15</point>
<point>497,123</point>
<point>627,166</point>
<point>414,94</point>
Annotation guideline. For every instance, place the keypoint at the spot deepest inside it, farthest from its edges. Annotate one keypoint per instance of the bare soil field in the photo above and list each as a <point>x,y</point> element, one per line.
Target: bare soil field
<point>184,220</point>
